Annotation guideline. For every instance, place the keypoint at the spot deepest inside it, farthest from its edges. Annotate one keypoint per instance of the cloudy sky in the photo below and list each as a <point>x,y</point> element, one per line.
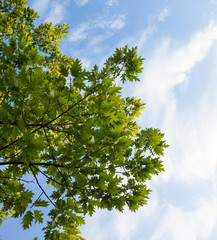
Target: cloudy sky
<point>178,85</point>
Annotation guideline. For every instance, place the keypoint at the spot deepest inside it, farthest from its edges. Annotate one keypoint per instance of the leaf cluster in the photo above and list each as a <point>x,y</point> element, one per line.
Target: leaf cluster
<point>69,126</point>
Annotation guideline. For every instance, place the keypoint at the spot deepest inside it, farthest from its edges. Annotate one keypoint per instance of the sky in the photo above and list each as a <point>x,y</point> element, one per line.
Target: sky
<point>178,40</point>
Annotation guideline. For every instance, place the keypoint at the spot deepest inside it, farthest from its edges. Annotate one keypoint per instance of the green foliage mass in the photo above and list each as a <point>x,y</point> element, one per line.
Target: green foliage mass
<point>69,126</point>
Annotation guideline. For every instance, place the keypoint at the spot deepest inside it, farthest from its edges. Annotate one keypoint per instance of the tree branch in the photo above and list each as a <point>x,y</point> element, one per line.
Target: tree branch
<point>50,125</point>
<point>60,115</point>
<point>53,180</point>
<point>42,188</point>
<point>119,72</point>
<point>40,124</point>
<point>36,200</point>
<point>31,164</point>
<point>66,186</point>
<point>19,179</point>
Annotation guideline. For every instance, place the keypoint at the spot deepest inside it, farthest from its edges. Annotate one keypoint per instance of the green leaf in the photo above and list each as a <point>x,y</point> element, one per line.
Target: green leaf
<point>41,203</point>
<point>27,220</point>
<point>76,68</point>
<point>38,216</point>
<point>22,42</point>
<point>64,71</point>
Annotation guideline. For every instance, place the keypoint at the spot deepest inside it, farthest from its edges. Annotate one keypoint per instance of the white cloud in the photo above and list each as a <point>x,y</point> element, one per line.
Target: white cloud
<point>40,6</point>
<point>79,34</point>
<point>179,224</point>
<point>124,225</point>
<point>213,1</point>
<point>56,11</point>
<point>110,3</point>
<point>168,68</point>
<point>97,39</point>
<point>116,23</point>
<point>163,14</point>
<point>190,131</point>
<point>86,63</point>
<point>160,219</point>
<point>192,135</point>
<point>143,37</point>
<point>81,2</point>
<point>56,14</point>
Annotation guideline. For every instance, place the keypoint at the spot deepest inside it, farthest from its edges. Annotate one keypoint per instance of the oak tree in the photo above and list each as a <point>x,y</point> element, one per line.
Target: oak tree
<point>69,128</point>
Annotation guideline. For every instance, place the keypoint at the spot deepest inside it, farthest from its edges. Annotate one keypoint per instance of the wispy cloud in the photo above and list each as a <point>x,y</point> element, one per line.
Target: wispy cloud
<point>81,2</point>
<point>79,34</point>
<point>52,11</point>
<point>56,14</point>
<point>56,11</point>
<point>117,22</point>
<point>159,219</point>
<point>213,1</point>
<point>190,132</point>
<point>40,6</point>
<point>163,14</point>
<point>168,67</point>
<point>190,129</point>
<point>179,224</point>
<point>111,3</point>
<point>125,226</point>
<point>144,36</point>
<point>86,63</point>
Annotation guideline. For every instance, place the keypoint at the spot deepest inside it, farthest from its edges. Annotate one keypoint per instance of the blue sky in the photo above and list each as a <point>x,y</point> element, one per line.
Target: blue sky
<point>178,85</point>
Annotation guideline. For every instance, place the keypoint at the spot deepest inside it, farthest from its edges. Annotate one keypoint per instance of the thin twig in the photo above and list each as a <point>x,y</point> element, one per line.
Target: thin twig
<point>60,115</point>
<point>41,187</point>
<point>36,200</point>
<point>31,164</point>
<point>4,191</point>
<point>66,186</point>
<point>119,72</point>
<point>15,154</point>
<point>19,179</point>
<point>48,142</point>
<point>51,178</point>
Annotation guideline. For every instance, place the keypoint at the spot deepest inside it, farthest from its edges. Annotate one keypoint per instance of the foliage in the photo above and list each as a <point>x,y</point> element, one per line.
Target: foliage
<point>69,126</point>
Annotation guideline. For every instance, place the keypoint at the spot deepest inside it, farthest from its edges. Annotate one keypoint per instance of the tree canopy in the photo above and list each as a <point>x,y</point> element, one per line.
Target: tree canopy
<point>67,128</point>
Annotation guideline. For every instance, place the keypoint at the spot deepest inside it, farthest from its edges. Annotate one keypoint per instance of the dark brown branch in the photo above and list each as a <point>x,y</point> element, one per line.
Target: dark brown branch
<point>60,115</point>
<point>98,150</point>
<point>40,124</point>
<point>53,180</point>
<point>45,133</point>
<point>119,72</point>
<point>91,154</point>
<point>19,179</point>
<point>41,187</point>
<point>8,145</point>
<point>31,164</point>
<point>36,200</point>
<point>15,155</point>
<point>65,180</point>
<point>4,191</point>
<point>43,125</point>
